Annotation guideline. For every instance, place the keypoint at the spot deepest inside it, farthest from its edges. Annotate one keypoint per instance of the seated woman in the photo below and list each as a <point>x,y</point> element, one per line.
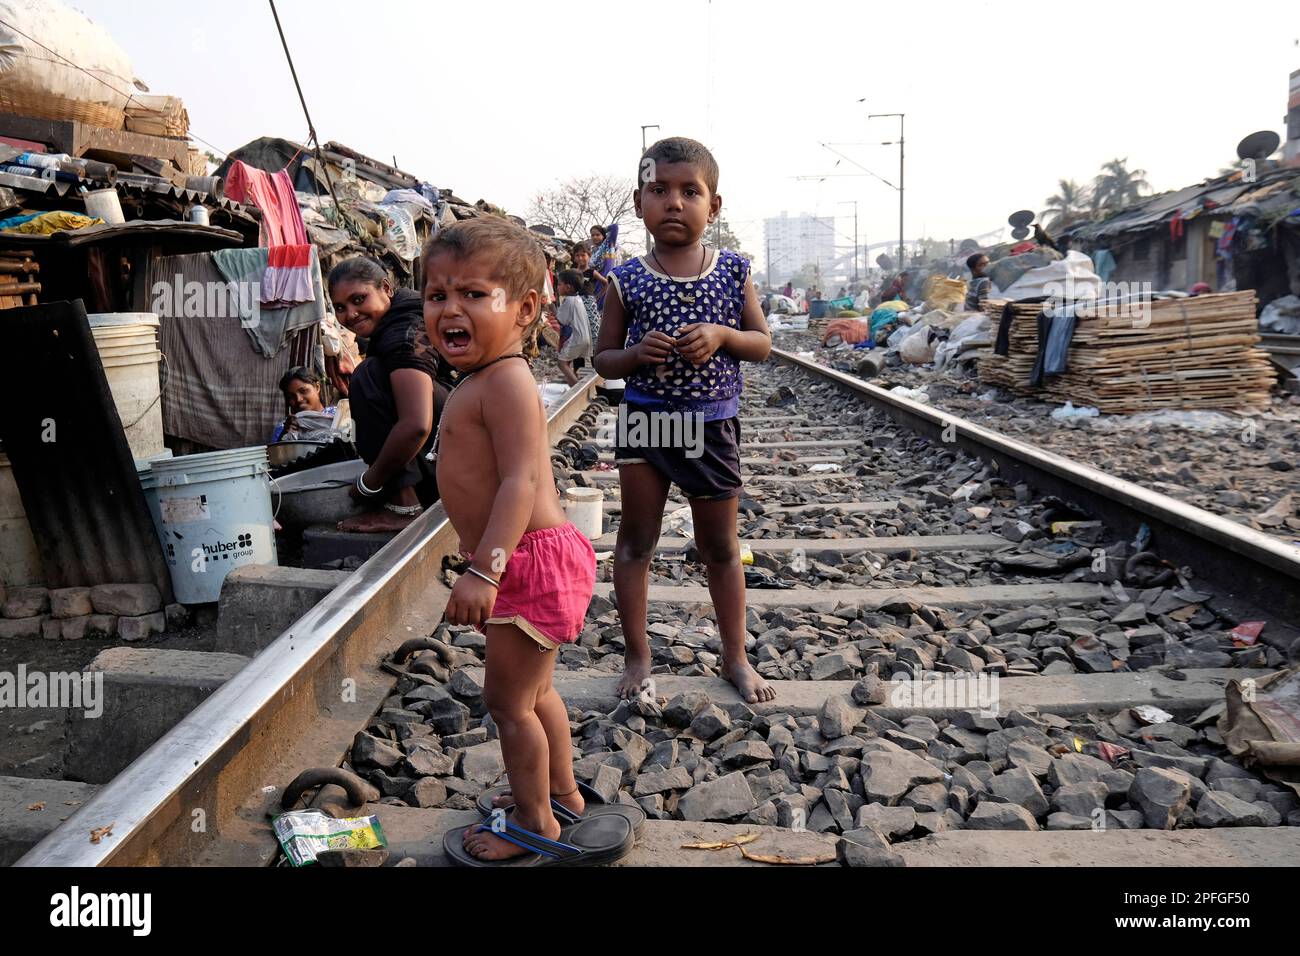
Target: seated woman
<point>396,394</point>
<point>309,419</point>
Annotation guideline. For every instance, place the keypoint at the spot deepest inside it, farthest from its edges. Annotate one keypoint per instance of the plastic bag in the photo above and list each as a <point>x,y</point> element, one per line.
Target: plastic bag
<point>680,522</point>
<point>944,293</point>
<point>896,337</point>
<point>68,56</point>
<point>918,348</point>
<point>1068,411</point>
<point>1281,316</point>
<point>969,328</point>
<point>1064,280</point>
<point>1006,271</point>
<point>304,833</point>
<point>915,394</point>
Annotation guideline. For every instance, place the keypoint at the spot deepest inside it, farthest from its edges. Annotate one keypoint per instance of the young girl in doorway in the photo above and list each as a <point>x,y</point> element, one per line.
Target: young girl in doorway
<point>309,419</point>
<point>677,324</point>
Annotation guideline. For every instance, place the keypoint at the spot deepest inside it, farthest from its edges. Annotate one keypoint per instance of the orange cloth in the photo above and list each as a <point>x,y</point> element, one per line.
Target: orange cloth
<point>851,331</point>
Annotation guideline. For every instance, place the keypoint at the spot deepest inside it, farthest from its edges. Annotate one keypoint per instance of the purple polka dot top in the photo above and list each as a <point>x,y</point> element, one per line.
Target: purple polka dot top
<point>653,303</point>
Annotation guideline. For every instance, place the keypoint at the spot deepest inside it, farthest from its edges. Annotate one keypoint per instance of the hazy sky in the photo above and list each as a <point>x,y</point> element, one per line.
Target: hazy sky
<point>498,100</point>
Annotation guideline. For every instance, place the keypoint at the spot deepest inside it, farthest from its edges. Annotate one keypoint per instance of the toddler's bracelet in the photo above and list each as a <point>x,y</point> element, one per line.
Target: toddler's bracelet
<point>361,486</point>
<point>479,574</point>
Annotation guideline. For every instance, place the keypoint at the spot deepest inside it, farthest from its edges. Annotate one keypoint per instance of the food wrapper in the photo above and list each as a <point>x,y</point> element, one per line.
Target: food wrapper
<point>304,833</point>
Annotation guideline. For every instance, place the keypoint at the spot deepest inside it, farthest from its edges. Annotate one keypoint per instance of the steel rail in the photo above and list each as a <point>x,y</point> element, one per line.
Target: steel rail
<point>1250,569</point>
<point>185,767</point>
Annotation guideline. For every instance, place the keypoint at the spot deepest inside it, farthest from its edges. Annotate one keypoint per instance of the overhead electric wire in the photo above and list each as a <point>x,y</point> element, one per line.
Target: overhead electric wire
<point>311,129</point>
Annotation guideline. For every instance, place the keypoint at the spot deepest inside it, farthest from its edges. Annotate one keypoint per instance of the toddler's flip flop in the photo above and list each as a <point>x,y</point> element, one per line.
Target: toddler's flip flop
<point>592,841</point>
<point>596,806</point>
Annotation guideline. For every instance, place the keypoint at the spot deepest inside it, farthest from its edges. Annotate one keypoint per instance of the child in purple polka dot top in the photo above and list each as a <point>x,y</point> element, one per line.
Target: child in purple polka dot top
<point>676,327</point>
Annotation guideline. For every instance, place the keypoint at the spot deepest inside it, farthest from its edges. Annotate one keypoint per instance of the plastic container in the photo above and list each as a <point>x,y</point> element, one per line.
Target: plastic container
<point>104,204</point>
<point>318,495</point>
<point>215,513</point>
<point>585,508</point>
<point>128,350</point>
<point>144,471</point>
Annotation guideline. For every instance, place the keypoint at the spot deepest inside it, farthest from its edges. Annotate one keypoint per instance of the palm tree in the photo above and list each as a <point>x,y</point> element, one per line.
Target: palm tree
<point>1068,203</point>
<point>1117,185</point>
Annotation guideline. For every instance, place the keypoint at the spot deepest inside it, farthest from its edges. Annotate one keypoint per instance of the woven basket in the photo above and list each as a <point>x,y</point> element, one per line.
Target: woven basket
<point>49,106</point>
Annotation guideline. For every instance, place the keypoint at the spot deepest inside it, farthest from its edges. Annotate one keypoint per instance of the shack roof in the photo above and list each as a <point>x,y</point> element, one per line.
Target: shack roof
<point>137,228</point>
<point>1219,197</point>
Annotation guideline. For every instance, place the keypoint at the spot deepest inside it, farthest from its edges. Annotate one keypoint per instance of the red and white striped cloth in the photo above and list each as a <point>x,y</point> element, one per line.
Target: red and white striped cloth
<point>287,280</point>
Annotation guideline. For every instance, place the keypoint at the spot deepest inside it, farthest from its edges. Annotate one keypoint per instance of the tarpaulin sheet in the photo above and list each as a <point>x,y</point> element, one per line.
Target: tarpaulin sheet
<point>1261,724</point>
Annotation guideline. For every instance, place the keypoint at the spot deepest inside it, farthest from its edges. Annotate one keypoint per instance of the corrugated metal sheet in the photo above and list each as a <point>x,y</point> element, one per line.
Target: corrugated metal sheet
<point>167,228</point>
<point>70,456</point>
<point>1217,197</point>
<point>127,183</point>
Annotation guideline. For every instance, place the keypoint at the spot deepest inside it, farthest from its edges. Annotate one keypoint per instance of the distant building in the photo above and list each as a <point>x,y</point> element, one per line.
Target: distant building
<point>792,242</point>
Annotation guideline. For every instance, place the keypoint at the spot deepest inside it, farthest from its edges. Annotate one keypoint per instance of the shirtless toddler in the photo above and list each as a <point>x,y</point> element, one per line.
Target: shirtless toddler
<point>531,573</point>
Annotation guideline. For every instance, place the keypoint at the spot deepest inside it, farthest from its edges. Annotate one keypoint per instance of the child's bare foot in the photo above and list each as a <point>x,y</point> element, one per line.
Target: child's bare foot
<point>483,844</point>
<point>570,801</point>
<point>370,522</point>
<point>748,682</point>
<point>636,668</point>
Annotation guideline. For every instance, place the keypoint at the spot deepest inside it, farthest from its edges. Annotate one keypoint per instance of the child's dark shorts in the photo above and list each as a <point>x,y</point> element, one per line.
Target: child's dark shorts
<point>707,468</point>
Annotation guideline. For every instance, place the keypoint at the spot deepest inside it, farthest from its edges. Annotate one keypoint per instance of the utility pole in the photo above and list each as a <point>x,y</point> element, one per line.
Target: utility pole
<point>901,262</point>
<point>640,173</point>
<point>854,202</point>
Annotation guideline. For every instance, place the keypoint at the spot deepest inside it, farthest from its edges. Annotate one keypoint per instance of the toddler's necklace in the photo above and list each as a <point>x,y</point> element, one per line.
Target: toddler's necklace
<point>686,298</point>
<point>432,456</point>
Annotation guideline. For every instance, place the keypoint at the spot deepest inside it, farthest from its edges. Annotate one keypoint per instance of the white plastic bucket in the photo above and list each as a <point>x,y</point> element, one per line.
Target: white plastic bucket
<point>215,513</point>
<point>104,204</point>
<point>585,508</point>
<point>20,561</point>
<point>149,485</point>
<point>128,350</point>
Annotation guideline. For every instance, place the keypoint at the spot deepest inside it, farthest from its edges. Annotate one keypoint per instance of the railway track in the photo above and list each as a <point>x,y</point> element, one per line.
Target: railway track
<point>997,585</point>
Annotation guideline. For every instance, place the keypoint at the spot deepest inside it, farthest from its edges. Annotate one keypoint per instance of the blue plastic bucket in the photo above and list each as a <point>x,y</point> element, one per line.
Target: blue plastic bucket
<point>215,514</point>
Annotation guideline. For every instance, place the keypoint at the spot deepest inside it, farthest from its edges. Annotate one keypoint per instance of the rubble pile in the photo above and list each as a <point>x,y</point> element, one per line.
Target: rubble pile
<point>1242,466</point>
<point>1161,629</point>
<point>844,770</point>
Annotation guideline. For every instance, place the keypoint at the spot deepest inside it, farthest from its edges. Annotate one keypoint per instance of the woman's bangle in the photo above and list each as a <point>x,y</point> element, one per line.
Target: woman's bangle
<point>361,486</point>
<point>479,574</point>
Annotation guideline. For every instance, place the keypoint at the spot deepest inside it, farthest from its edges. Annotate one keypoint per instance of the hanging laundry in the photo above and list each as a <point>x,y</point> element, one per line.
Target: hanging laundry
<point>217,393</point>
<point>1103,263</point>
<point>269,328</point>
<point>1176,226</point>
<point>1054,334</point>
<point>287,280</point>
<point>273,194</point>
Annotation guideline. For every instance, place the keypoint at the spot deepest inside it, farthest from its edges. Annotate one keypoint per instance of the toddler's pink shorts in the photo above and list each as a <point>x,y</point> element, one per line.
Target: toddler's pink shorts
<point>547,585</point>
